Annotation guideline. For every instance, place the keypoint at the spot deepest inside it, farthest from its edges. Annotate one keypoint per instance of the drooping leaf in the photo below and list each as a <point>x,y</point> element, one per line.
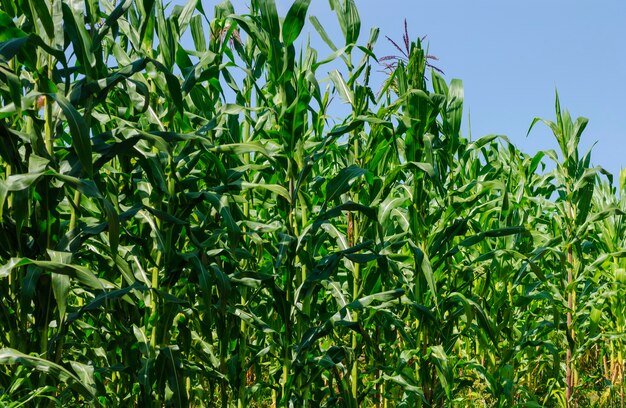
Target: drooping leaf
<point>11,356</point>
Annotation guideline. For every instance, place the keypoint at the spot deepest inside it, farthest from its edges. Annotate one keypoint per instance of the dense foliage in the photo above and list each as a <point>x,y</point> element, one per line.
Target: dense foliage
<point>184,224</point>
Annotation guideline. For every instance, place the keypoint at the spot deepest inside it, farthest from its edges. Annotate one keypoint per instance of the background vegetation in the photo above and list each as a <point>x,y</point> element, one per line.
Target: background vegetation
<point>183,225</point>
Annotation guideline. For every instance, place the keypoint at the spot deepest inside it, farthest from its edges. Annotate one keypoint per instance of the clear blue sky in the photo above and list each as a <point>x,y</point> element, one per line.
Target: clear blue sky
<point>511,57</point>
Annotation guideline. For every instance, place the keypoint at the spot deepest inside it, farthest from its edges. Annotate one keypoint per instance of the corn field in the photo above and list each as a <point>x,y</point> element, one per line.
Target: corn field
<point>184,222</point>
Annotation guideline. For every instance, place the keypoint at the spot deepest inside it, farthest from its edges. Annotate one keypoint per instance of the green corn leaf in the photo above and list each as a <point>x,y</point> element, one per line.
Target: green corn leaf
<point>347,206</point>
<point>8,30</point>
<point>86,187</point>
<point>294,21</point>
<point>197,33</point>
<point>269,17</point>
<point>15,87</point>
<point>78,130</point>
<point>84,372</point>
<point>11,356</point>
<point>114,226</point>
<point>340,184</point>
<point>11,46</point>
<point>102,300</point>
<point>444,371</point>
<point>352,22</point>
<point>185,16</point>
<point>111,20</point>
<point>147,18</point>
<point>41,12</point>
<point>61,290</point>
<point>80,273</point>
<point>250,319</point>
<point>60,282</point>
<point>167,42</point>
<point>224,9</point>
<point>81,40</point>
<point>342,87</point>
<point>223,282</point>
<point>275,188</point>
<point>18,182</point>
<point>322,32</point>
<point>454,110</point>
<point>377,297</point>
<point>408,387</point>
<point>424,266</point>
<point>241,148</point>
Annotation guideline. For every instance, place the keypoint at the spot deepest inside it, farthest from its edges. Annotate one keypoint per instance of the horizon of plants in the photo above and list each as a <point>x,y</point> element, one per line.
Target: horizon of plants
<point>187,224</point>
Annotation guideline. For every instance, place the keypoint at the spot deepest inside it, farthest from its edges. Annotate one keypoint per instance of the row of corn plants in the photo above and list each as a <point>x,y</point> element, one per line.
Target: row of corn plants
<point>185,222</point>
